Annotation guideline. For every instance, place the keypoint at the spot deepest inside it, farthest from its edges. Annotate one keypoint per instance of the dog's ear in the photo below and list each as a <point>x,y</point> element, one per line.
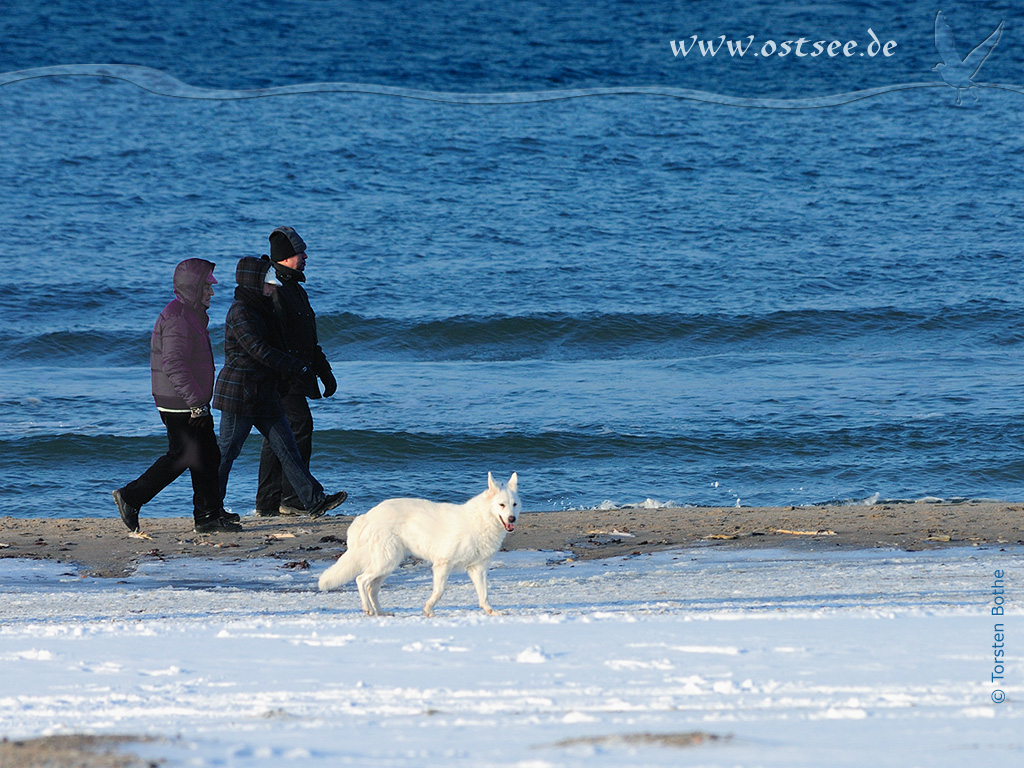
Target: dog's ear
<point>513,482</point>
<point>492,487</point>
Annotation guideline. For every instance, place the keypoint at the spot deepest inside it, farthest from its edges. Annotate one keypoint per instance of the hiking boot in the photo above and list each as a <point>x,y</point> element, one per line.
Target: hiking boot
<point>287,509</point>
<point>216,525</point>
<point>129,514</point>
<point>231,517</point>
<point>267,512</point>
<point>327,503</point>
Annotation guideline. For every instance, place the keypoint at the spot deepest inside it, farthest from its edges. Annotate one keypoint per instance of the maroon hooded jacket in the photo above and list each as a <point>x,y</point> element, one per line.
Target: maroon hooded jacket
<point>181,358</point>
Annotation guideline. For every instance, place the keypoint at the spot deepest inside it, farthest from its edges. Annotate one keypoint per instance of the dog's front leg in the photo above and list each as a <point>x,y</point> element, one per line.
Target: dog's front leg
<point>442,570</point>
<point>478,575</point>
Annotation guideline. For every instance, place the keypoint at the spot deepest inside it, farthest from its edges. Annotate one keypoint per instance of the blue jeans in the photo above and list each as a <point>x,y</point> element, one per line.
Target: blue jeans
<point>235,428</point>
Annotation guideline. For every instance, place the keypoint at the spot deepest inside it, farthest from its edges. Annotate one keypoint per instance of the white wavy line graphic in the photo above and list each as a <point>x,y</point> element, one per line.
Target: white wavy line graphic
<point>160,83</point>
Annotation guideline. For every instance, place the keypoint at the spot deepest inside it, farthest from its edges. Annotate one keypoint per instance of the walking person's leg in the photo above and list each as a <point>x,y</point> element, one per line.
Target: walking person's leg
<point>275,491</point>
<point>268,493</point>
<point>160,474</point>
<point>296,410</point>
<point>310,491</point>
<point>234,429</point>
<point>203,456</point>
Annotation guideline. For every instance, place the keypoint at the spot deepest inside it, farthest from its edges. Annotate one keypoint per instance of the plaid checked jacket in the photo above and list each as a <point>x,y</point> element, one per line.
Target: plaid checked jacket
<point>254,361</point>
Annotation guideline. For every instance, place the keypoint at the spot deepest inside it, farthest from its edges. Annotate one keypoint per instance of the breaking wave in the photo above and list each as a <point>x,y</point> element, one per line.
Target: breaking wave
<point>565,336</point>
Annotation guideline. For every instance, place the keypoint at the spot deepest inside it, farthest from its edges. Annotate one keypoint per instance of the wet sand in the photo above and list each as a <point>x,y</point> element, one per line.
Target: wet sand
<point>74,751</point>
<point>102,547</point>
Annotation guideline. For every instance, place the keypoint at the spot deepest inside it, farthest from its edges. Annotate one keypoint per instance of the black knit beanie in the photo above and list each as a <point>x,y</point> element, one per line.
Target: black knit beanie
<point>285,243</point>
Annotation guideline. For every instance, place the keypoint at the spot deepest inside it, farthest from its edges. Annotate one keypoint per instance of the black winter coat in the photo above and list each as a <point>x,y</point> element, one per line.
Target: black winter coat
<point>291,305</point>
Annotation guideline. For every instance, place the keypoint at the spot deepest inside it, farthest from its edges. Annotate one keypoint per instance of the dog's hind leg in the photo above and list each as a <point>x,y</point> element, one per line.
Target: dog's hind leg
<point>369,592</point>
<point>373,588</point>
<point>385,558</point>
<point>442,569</point>
<point>478,575</point>
<point>362,582</point>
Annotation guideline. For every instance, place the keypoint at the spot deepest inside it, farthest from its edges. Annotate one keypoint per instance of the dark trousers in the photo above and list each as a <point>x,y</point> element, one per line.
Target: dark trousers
<point>189,446</point>
<point>274,488</point>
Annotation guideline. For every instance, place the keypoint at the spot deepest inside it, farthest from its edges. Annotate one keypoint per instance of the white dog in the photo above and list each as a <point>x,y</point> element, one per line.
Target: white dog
<point>448,536</point>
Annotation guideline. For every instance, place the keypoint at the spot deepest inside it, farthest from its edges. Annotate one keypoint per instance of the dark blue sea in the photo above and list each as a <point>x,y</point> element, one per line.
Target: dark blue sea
<point>538,241</point>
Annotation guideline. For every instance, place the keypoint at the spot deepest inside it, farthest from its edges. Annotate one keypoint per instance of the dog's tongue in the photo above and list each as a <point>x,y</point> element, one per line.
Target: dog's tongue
<point>508,526</point>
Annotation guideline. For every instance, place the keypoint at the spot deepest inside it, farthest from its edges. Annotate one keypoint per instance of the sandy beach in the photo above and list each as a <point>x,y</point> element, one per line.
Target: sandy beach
<point>102,547</point>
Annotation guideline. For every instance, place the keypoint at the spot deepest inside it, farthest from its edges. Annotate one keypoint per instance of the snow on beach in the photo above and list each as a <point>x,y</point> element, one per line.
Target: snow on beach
<point>770,657</point>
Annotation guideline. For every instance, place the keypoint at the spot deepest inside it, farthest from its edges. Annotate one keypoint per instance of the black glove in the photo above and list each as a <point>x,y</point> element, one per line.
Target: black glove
<point>200,415</point>
<point>330,383</point>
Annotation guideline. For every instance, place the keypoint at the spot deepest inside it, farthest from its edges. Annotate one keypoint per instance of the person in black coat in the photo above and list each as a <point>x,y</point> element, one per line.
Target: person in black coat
<point>275,494</point>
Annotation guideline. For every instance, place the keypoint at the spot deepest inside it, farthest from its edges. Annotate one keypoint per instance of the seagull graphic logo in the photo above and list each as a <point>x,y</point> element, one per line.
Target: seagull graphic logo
<point>956,72</point>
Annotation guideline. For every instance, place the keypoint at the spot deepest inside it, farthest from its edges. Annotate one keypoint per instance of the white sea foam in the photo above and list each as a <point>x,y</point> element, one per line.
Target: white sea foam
<point>608,505</point>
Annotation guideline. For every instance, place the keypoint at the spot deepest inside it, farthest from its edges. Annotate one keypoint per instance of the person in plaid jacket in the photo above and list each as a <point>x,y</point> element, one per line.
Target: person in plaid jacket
<point>247,392</point>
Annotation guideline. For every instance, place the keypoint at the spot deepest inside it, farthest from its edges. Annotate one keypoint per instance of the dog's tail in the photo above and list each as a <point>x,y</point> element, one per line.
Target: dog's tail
<point>349,565</point>
<point>343,571</point>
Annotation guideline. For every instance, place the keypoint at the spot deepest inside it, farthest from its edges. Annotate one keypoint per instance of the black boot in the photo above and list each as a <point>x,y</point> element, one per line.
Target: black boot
<point>212,522</point>
<point>129,514</point>
<point>327,503</point>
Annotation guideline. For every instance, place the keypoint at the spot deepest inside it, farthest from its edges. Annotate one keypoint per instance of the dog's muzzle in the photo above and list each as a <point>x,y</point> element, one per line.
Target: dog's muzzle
<point>508,523</point>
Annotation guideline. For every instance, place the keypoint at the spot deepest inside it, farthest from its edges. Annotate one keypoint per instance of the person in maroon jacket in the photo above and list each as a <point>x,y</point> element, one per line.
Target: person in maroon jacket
<point>181,368</point>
